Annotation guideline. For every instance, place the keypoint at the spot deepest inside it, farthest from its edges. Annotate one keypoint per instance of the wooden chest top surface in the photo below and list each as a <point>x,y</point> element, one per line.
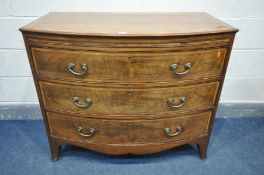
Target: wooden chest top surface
<point>128,24</point>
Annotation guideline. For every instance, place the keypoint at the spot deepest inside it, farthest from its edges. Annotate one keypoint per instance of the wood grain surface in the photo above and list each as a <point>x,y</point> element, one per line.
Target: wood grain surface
<point>128,24</point>
<point>128,67</point>
<point>128,131</point>
<point>112,101</point>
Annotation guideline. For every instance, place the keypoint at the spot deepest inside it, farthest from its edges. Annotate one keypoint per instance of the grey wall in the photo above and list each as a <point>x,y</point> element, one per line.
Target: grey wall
<point>245,74</point>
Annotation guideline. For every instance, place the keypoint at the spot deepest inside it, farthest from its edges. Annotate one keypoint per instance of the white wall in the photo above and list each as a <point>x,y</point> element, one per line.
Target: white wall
<point>245,76</point>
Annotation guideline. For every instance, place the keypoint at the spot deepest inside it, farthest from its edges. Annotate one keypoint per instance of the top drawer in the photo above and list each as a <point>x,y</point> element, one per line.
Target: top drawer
<point>128,67</point>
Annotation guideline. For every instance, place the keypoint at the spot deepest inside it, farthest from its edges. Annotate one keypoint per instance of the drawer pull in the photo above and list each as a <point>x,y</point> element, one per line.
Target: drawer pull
<point>187,67</point>
<point>168,131</point>
<point>170,102</point>
<point>88,102</point>
<point>90,132</point>
<point>83,66</point>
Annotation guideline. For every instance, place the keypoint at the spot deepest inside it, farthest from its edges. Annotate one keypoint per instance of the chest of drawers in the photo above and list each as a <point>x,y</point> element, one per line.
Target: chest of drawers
<point>120,83</point>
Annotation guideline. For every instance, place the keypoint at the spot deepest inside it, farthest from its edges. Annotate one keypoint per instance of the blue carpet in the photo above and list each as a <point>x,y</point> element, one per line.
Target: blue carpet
<point>236,147</point>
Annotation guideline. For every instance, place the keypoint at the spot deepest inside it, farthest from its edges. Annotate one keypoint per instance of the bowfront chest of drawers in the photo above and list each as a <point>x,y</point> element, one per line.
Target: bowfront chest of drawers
<point>120,83</point>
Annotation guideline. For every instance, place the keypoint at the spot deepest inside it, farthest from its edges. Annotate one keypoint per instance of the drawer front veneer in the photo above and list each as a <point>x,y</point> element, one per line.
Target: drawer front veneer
<point>140,67</point>
<point>128,131</point>
<point>96,100</point>
<point>130,44</point>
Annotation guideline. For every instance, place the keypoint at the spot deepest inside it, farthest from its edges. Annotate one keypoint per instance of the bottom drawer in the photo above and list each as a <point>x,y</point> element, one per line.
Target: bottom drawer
<point>128,131</point>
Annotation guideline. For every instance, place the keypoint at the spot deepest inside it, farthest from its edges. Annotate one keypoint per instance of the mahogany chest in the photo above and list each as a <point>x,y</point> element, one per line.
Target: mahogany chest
<point>128,83</point>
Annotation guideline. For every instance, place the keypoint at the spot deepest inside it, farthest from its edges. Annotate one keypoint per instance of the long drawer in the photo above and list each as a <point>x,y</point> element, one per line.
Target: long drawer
<point>128,131</point>
<point>128,67</point>
<point>119,101</point>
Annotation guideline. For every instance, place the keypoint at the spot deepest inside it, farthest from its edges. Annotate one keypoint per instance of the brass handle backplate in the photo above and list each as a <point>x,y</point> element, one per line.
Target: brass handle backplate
<point>187,68</point>
<point>169,134</point>
<point>88,102</point>
<point>84,68</point>
<point>89,133</point>
<point>170,102</point>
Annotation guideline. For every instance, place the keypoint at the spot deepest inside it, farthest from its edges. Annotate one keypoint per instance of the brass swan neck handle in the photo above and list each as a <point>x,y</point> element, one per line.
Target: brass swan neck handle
<point>84,68</point>
<point>187,67</point>
<point>88,102</point>
<point>169,134</point>
<point>89,133</point>
<point>170,102</point>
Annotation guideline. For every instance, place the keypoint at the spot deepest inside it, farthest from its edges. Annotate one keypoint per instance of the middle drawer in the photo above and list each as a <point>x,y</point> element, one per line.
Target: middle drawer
<point>117,101</point>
